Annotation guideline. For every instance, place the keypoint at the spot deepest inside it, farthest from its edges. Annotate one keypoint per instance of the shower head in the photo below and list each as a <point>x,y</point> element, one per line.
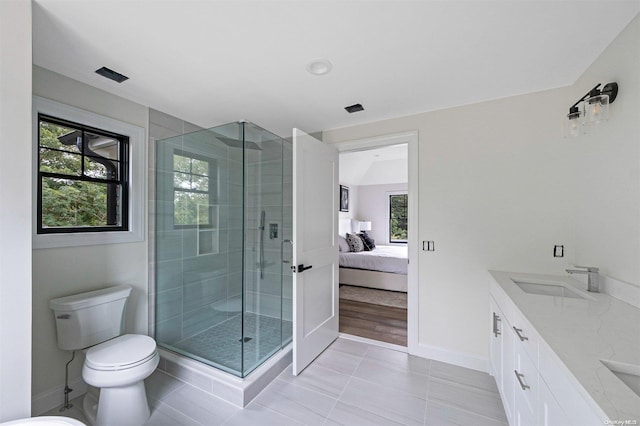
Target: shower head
<point>237,143</point>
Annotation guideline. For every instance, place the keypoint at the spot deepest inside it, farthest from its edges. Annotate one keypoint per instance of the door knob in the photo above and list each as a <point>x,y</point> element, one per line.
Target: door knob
<point>301,268</point>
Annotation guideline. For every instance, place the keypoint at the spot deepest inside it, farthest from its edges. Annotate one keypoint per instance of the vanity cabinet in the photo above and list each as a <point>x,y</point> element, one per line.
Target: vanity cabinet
<point>514,351</point>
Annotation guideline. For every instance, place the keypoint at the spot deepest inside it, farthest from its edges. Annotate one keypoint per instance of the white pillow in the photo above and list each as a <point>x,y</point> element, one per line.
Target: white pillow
<point>343,245</point>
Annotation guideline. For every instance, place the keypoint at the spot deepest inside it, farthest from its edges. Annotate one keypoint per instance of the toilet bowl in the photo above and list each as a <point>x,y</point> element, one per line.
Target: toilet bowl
<point>115,363</point>
<point>118,367</point>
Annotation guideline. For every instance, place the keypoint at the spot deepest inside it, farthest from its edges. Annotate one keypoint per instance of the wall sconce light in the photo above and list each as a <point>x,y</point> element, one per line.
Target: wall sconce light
<point>590,110</point>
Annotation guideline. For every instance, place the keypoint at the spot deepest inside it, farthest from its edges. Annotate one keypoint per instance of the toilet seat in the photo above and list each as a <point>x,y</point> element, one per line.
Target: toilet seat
<point>121,353</point>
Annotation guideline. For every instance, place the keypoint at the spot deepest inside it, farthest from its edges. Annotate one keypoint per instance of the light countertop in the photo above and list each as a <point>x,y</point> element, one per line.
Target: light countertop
<point>581,332</point>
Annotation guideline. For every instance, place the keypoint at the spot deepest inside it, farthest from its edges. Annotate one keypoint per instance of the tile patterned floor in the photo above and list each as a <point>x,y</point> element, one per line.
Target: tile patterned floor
<point>221,343</point>
<point>351,383</point>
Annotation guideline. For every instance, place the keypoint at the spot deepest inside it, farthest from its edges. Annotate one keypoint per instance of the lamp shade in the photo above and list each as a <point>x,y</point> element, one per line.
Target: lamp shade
<point>365,225</point>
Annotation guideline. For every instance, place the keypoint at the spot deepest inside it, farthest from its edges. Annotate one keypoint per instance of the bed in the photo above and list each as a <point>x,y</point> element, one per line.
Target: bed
<point>384,267</point>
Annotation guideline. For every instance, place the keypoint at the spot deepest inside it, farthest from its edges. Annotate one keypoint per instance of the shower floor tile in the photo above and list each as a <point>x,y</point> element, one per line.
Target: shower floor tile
<point>222,344</point>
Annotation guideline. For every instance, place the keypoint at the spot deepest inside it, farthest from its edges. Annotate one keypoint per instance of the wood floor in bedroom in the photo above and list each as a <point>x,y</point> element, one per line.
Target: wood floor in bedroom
<point>378,322</point>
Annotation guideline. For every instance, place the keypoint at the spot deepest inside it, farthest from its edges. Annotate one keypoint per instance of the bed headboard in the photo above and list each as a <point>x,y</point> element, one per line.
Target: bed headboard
<point>344,226</point>
<point>348,225</point>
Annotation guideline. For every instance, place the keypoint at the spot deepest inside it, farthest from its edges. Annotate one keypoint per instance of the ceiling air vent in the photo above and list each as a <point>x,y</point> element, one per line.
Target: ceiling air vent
<point>354,108</point>
<point>112,75</point>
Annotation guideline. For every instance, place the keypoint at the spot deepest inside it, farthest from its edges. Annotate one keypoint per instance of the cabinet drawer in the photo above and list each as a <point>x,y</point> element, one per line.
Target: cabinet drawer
<point>526,336</point>
<point>525,377</point>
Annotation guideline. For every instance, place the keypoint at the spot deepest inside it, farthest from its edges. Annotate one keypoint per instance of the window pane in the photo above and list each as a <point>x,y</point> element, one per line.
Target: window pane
<point>398,209</point>
<point>190,208</point>
<point>60,162</point>
<point>102,146</point>
<point>100,168</point>
<point>199,167</point>
<point>71,203</point>
<point>181,163</point>
<point>59,137</point>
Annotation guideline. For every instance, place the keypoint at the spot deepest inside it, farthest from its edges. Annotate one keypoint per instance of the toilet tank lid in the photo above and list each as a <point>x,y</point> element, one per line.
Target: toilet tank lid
<point>90,298</point>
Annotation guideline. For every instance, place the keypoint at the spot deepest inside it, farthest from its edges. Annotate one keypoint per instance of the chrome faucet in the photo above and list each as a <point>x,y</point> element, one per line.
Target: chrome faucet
<point>593,281</point>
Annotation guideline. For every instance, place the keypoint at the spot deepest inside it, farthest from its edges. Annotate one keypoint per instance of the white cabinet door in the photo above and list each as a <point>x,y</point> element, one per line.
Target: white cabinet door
<point>496,342</point>
<point>549,411</point>
<point>525,378</point>
<point>508,365</point>
<point>315,254</point>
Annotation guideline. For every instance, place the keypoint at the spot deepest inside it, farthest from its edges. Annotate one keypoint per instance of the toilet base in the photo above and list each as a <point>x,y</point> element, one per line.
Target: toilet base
<point>126,405</point>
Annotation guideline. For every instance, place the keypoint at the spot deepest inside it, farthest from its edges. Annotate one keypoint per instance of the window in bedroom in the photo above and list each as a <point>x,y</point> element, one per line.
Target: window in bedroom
<point>398,210</point>
<point>82,178</point>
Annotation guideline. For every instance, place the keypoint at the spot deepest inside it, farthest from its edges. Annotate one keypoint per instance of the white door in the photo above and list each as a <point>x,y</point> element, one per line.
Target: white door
<point>315,248</point>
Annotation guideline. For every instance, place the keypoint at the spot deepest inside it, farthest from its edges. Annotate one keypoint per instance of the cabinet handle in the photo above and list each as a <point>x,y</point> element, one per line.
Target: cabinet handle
<point>496,319</point>
<point>522,384</point>
<point>520,336</point>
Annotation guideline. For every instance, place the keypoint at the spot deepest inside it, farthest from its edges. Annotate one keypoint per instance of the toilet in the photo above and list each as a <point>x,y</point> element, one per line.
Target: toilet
<point>115,363</point>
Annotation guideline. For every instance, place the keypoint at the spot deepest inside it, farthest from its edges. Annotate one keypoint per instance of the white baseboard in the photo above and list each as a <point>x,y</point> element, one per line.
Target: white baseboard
<point>54,397</point>
<point>460,359</point>
<point>373,342</point>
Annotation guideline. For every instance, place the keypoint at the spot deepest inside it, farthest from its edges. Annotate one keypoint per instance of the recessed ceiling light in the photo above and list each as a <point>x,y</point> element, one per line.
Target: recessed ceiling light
<point>319,67</point>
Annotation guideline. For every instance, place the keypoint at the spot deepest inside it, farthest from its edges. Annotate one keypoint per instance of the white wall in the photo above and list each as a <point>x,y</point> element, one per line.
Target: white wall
<point>606,194</point>
<point>15,202</point>
<point>499,186</point>
<point>373,205</point>
<point>62,271</point>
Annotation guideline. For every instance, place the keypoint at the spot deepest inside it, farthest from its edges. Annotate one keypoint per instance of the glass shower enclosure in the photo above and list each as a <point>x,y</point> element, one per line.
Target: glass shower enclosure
<point>222,236</point>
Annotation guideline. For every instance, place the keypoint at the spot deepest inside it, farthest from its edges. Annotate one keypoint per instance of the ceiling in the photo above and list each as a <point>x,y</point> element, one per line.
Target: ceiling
<point>212,62</point>
<point>379,166</point>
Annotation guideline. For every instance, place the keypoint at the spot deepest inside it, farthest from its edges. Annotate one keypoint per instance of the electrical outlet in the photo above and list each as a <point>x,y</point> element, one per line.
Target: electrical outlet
<point>558,251</point>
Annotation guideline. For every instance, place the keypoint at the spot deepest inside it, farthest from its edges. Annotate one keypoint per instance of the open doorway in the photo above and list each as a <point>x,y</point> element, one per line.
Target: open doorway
<point>374,235</point>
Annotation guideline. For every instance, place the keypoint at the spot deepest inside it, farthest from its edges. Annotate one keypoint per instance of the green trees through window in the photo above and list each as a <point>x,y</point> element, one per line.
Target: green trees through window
<point>398,209</point>
<point>82,177</point>
<point>193,177</point>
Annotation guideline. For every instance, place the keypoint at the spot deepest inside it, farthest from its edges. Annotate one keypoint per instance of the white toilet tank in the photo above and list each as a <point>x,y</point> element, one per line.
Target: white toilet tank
<point>86,319</point>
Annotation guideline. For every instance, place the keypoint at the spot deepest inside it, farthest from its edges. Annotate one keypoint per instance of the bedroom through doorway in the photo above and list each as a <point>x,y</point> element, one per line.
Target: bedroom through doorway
<point>373,239</point>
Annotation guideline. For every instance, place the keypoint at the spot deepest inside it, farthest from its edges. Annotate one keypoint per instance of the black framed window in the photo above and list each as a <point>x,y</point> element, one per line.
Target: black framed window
<point>398,212</point>
<point>82,178</point>
<point>194,184</point>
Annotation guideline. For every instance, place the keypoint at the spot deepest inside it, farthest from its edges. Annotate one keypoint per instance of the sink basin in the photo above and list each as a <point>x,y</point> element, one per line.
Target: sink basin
<point>548,289</point>
<point>628,373</point>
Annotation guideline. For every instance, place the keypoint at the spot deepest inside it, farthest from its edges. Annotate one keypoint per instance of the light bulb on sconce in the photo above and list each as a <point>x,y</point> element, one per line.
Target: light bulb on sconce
<point>595,110</point>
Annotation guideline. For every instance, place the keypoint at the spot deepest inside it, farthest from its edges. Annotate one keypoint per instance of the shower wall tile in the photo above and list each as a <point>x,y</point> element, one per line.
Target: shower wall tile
<point>235,171</point>
<point>166,121</point>
<point>204,267</point>
<point>168,304</point>
<point>270,284</point>
<point>197,321</point>
<point>204,293</point>
<point>169,245</point>
<point>168,274</point>
<point>234,285</point>
<point>169,331</point>
<point>287,309</point>
<point>263,304</point>
<point>160,132</point>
